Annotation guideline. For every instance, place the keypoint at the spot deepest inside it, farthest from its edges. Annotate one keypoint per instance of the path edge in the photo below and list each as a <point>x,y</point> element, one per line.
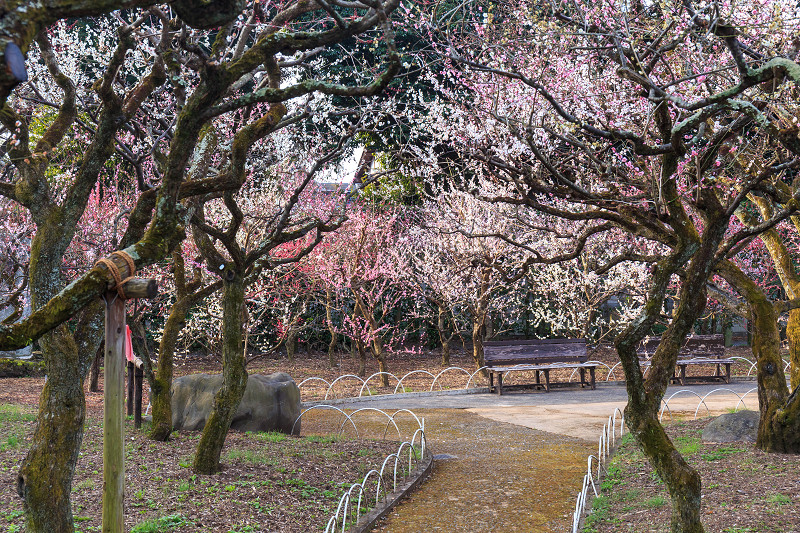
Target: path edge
<point>417,477</point>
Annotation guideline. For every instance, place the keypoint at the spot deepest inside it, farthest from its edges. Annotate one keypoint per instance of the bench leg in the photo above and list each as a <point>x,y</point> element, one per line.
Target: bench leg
<point>583,378</point>
<point>538,383</point>
<point>727,372</point>
<point>682,379</point>
<point>499,383</point>
<point>546,380</point>
<point>591,376</point>
<point>491,382</point>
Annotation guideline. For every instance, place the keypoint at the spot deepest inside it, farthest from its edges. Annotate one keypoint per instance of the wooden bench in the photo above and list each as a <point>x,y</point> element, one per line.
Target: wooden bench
<point>698,350</point>
<point>539,356</point>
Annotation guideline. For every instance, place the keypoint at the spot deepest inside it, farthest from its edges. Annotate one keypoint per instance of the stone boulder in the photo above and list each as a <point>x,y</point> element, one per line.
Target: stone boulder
<point>270,403</point>
<point>733,427</point>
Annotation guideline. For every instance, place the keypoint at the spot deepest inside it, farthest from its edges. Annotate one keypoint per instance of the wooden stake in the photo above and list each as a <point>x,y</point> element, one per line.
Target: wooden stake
<point>129,366</point>
<point>138,374</point>
<point>113,451</point>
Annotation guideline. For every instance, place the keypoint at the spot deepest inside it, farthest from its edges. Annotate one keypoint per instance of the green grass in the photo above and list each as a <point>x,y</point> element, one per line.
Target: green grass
<point>655,502</point>
<point>269,436</point>
<point>687,445</point>
<point>254,457</point>
<point>86,484</point>
<point>323,439</point>
<point>12,442</point>
<point>161,524</point>
<point>613,476</point>
<point>599,514</point>
<point>721,453</point>
<point>243,529</point>
<point>780,499</point>
<point>15,413</point>
<point>14,416</point>
<point>13,515</point>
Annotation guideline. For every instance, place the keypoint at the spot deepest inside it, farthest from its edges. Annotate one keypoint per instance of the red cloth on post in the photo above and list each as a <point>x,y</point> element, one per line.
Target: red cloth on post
<point>128,344</point>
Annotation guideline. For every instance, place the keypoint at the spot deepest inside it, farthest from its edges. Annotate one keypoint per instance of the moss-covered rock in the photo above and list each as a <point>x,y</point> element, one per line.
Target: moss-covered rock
<point>20,368</point>
<point>270,403</point>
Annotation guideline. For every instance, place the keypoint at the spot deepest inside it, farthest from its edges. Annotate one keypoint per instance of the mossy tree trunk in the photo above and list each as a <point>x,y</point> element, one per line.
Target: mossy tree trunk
<point>291,341</point>
<point>779,425</point>
<point>161,381</point>
<point>94,372</point>
<point>234,372</point>
<point>645,395</point>
<point>793,334</point>
<point>361,351</point>
<point>44,481</point>
<point>444,337</point>
<point>644,401</point>
<point>45,478</point>
<point>784,265</point>
<point>189,294</point>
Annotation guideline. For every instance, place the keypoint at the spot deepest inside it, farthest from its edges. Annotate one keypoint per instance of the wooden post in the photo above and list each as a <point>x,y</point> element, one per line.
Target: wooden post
<point>138,374</point>
<point>113,451</point>
<point>114,390</point>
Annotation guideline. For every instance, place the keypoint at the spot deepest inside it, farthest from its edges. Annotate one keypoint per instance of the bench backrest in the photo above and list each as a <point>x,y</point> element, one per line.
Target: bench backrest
<point>704,346</point>
<point>535,351</point>
<point>695,346</point>
<point>648,346</point>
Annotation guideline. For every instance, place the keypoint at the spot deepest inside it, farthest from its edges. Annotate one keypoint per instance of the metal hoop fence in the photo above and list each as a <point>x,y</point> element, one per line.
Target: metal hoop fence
<point>606,445</point>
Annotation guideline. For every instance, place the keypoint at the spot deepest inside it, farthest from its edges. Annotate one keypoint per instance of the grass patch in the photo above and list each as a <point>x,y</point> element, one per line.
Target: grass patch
<point>600,508</point>
<point>780,499</point>
<point>15,413</point>
<point>86,484</point>
<point>613,476</point>
<point>270,436</point>
<point>323,439</point>
<point>655,501</point>
<point>720,453</point>
<point>160,524</point>
<point>249,456</point>
<point>687,445</point>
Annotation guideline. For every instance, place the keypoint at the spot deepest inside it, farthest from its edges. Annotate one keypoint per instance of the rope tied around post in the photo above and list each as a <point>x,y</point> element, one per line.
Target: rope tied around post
<point>115,273</point>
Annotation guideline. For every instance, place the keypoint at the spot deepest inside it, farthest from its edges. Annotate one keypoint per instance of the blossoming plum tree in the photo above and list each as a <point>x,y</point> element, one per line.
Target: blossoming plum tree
<point>619,117</point>
<point>141,86</point>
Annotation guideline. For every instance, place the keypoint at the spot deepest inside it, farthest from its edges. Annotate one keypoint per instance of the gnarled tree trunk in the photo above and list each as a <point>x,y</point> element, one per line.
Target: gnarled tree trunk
<point>161,382</point>
<point>793,333</point>
<point>779,426</point>
<point>44,481</point>
<point>234,372</point>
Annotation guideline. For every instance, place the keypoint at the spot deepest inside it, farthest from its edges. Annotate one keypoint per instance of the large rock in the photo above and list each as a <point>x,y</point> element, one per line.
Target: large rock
<point>270,403</point>
<point>733,427</point>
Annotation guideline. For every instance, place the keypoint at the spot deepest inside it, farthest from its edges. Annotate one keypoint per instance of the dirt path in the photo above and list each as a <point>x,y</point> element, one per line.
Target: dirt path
<point>508,474</point>
<point>502,477</point>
